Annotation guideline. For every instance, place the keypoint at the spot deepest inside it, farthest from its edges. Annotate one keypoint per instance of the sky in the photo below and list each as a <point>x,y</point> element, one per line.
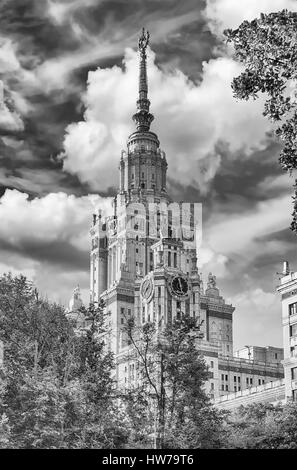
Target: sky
<point>68,87</point>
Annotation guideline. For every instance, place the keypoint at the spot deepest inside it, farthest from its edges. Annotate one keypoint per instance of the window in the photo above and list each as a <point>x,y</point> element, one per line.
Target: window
<point>251,381</point>
<point>175,260</point>
<point>169,258</point>
<point>153,176</point>
<point>132,176</point>
<point>293,330</point>
<point>212,386</point>
<point>222,376</point>
<point>226,377</point>
<point>226,388</point>
<point>235,388</point>
<point>294,373</point>
<point>178,305</point>
<point>122,320</point>
<point>228,348</point>
<point>222,387</point>
<point>136,250</point>
<point>263,381</point>
<point>294,395</point>
<point>122,311</point>
<point>275,356</point>
<point>247,381</point>
<point>211,364</point>
<point>293,308</point>
<point>239,380</point>
<point>235,378</point>
<point>129,311</point>
<point>239,388</point>
<point>259,381</point>
<point>194,298</point>
<point>142,175</point>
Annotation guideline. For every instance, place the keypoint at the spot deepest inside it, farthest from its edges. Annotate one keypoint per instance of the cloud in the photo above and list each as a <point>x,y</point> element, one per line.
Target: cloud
<point>190,120</point>
<point>56,217</point>
<point>257,318</point>
<point>10,120</point>
<point>62,11</point>
<point>239,233</point>
<point>47,239</point>
<point>223,14</point>
<point>13,104</point>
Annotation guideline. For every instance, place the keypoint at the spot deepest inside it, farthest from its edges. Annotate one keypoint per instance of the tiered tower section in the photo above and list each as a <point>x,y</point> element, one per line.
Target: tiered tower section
<point>143,256</point>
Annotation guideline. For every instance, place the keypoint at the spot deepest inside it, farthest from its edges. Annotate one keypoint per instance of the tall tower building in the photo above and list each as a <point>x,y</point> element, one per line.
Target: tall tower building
<point>288,292</point>
<point>143,256</point>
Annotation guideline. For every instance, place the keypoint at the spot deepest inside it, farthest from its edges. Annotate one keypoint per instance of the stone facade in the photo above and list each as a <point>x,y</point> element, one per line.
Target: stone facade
<point>271,392</point>
<point>288,292</point>
<point>143,263</point>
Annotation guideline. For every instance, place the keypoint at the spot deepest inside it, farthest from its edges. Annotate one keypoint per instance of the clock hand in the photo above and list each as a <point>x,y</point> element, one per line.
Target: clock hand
<point>180,285</point>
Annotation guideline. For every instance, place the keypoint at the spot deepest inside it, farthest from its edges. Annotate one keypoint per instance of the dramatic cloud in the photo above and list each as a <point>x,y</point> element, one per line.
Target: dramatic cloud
<point>231,13</point>
<point>200,116</point>
<point>55,217</point>
<point>224,14</point>
<point>48,238</point>
<point>217,148</point>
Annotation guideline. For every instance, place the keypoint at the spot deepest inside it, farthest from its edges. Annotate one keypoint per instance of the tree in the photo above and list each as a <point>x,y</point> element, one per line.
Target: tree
<point>171,376</point>
<point>99,420</point>
<point>57,389</point>
<point>262,426</point>
<point>267,47</point>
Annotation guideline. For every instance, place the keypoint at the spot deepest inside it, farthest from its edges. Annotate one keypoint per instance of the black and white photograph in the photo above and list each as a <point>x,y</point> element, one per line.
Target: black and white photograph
<point>148,227</point>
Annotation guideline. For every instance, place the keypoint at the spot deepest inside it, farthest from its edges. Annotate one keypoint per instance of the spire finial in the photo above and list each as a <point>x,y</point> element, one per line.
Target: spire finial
<point>143,41</point>
<point>143,118</point>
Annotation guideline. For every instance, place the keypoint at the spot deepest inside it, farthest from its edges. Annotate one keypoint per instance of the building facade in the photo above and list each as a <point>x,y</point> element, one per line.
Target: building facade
<point>143,263</point>
<point>288,292</point>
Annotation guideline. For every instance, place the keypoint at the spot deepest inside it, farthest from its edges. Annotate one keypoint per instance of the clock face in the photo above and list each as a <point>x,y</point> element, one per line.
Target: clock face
<point>179,286</point>
<point>147,289</point>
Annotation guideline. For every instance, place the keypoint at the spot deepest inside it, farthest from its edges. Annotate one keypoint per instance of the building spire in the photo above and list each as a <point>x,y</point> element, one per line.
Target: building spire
<point>142,117</point>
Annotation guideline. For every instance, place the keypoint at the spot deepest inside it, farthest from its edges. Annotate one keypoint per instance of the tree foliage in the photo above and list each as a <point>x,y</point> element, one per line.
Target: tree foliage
<point>267,47</point>
<point>262,426</point>
<point>172,372</point>
<point>56,386</point>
